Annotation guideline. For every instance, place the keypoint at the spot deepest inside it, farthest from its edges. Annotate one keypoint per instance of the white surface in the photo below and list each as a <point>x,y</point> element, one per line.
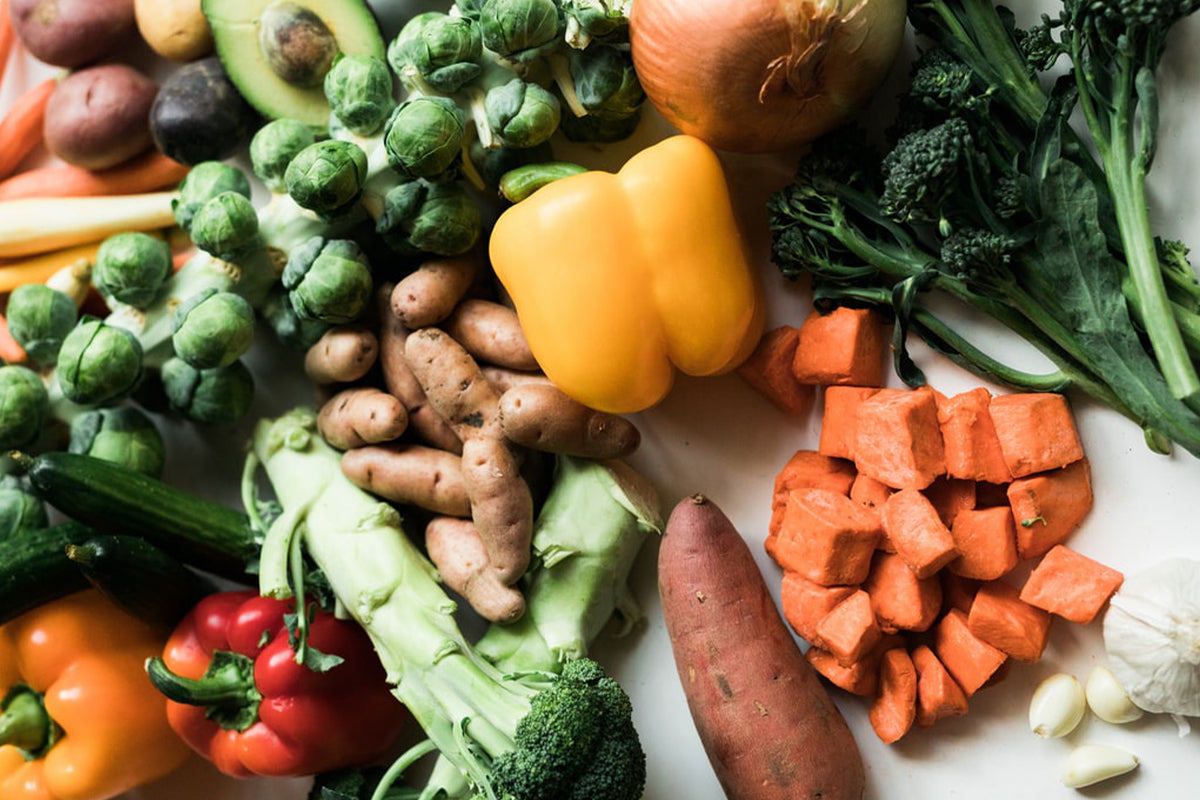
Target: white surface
<point>717,437</point>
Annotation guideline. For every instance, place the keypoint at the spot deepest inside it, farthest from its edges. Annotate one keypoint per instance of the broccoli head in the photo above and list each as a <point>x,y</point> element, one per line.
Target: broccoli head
<point>925,169</point>
<point>980,258</point>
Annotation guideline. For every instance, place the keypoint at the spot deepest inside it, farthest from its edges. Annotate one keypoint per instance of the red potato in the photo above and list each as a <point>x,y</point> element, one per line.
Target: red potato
<point>99,116</point>
<point>768,726</point>
<point>71,33</point>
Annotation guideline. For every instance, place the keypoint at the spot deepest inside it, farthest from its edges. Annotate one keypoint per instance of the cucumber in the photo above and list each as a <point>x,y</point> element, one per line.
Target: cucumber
<point>34,568</point>
<point>113,499</point>
<point>139,577</point>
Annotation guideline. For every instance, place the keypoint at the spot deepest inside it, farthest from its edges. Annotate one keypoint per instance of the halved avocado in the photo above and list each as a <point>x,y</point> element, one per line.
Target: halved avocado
<point>276,52</point>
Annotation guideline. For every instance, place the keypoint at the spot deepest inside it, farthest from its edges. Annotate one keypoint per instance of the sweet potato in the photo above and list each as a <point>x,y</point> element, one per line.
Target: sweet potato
<point>411,474</point>
<point>456,549</point>
<point>805,603</point>
<point>1071,585</point>
<point>361,415</point>
<point>838,419</point>
<point>999,617</point>
<point>972,448</point>
<point>826,537</point>
<point>806,469</point>
<point>970,660</point>
<point>917,532</point>
<point>768,371</point>
<point>1047,507</point>
<point>897,439</point>
<point>894,709</point>
<point>900,600</point>
<point>1036,431</point>
<point>986,541</point>
<point>767,723</point>
<point>938,696</point>
<point>343,354</point>
<point>846,346</point>
<point>860,678</point>
<point>543,417</point>
<point>428,294</point>
<point>849,631</point>
<point>491,333</point>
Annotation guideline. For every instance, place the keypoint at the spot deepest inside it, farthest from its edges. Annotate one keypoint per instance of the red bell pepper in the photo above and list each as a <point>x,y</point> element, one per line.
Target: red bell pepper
<point>239,697</point>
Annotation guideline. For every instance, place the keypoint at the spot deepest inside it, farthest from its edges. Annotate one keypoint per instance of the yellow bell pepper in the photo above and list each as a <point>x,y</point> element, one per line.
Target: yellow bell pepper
<point>81,719</point>
<point>620,279</point>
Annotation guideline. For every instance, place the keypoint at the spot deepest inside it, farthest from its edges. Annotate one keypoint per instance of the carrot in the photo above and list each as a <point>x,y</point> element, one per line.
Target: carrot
<point>21,128</point>
<point>986,540</point>
<point>1048,506</point>
<point>917,532</point>
<point>846,347</point>
<point>16,272</point>
<point>849,630</point>
<point>11,351</point>
<point>970,660</point>
<point>1070,584</point>
<point>1001,618</point>
<point>148,172</point>
<point>838,419</point>
<point>938,696</point>
<point>770,729</point>
<point>1036,432</point>
<point>826,537</point>
<point>805,603</point>
<point>768,371</point>
<point>969,436</point>
<point>894,709</point>
<point>897,439</point>
<point>900,600</point>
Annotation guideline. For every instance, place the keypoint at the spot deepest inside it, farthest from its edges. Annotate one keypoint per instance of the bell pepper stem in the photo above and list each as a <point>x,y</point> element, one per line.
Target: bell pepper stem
<point>227,688</point>
<point>25,723</point>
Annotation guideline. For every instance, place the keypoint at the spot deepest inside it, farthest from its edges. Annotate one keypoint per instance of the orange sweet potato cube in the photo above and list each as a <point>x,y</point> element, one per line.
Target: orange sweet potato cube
<point>1071,585</point>
<point>969,437</point>
<point>957,591</point>
<point>902,601</point>
<point>938,696</point>
<point>916,531</point>
<point>897,439</point>
<point>849,630</point>
<point>838,419</point>
<point>894,709</point>
<point>870,494</point>
<point>1048,506</point>
<point>804,603</point>
<point>951,495</point>
<point>768,371</point>
<point>845,346</point>
<point>971,661</point>
<point>860,678</point>
<point>1001,618</point>
<point>806,469</point>
<point>826,537</point>
<point>1036,431</point>
<point>986,540</point>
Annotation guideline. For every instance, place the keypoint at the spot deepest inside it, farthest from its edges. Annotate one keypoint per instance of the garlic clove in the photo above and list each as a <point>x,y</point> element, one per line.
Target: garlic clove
<point>1107,698</point>
<point>1057,706</point>
<point>1091,763</point>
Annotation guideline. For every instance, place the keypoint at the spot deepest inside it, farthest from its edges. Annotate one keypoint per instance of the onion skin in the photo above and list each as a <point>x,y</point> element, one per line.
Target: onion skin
<point>763,76</point>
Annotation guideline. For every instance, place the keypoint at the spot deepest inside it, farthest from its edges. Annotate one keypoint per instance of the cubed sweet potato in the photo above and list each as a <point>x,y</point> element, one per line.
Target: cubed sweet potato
<point>768,371</point>
<point>1071,585</point>
<point>971,661</point>
<point>845,346</point>
<point>916,531</point>
<point>894,709</point>
<point>986,541</point>
<point>999,617</point>
<point>826,537</point>
<point>838,415</point>
<point>951,495</point>
<point>957,591</point>
<point>969,437</point>
<point>860,678</point>
<point>901,600</point>
<point>849,630</point>
<point>1047,507</point>
<point>806,469</point>
<point>1036,431</point>
<point>897,439</point>
<point>869,493</point>
<point>805,603</point>
<point>938,695</point>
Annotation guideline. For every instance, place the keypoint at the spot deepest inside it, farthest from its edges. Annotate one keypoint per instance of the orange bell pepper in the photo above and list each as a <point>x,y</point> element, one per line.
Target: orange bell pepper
<point>619,280</point>
<point>81,719</point>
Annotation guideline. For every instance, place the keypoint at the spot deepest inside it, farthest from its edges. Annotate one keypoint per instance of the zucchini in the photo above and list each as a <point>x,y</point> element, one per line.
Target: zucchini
<point>139,577</point>
<point>34,568</point>
<point>113,499</point>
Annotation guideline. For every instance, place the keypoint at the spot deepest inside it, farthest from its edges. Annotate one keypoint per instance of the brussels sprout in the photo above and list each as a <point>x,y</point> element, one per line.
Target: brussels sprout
<point>327,176</point>
<point>443,50</point>
<point>98,363</point>
<point>469,9</point>
<point>329,280</point>
<point>492,162</point>
<point>360,92</point>
<point>292,330</point>
<point>208,396</point>
<point>132,267</point>
<point>203,182</point>
<point>213,328</point>
<point>605,81</point>
<point>522,114</point>
<point>590,19</point>
<point>38,319</point>
<point>226,226</point>
<point>24,406</point>
<point>424,217</point>
<point>19,510</point>
<point>424,136</point>
<point>124,435</point>
<point>274,146</point>
<point>519,29</point>
<point>597,129</point>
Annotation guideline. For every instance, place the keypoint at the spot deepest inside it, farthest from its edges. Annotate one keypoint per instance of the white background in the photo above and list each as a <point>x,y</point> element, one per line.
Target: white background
<point>717,437</point>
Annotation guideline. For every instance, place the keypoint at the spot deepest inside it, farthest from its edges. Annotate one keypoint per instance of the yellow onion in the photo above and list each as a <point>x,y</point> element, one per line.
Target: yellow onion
<point>762,76</point>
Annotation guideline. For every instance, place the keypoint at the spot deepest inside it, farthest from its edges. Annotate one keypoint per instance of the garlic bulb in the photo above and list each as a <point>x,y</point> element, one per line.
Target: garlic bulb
<point>1152,635</point>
